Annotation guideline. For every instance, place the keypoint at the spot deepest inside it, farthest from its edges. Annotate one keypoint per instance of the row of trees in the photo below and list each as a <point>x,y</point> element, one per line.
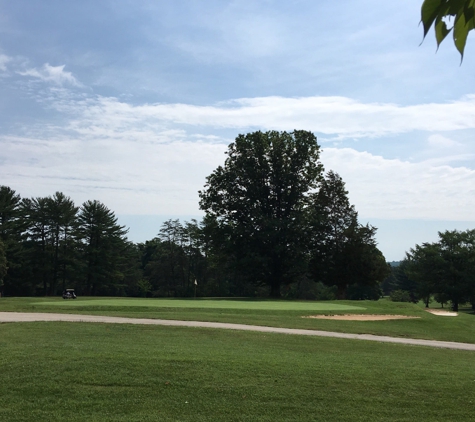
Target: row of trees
<point>49,244</point>
<point>444,270</point>
<point>274,224</point>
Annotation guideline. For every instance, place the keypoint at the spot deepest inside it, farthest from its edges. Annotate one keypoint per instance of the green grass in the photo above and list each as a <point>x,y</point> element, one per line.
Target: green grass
<point>264,305</point>
<point>107,372</point>
<point>286,314</point>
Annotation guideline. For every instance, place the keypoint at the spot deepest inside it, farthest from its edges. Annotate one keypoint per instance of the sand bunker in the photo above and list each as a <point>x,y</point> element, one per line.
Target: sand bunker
<point>441,312</point>
<point>356,317</point>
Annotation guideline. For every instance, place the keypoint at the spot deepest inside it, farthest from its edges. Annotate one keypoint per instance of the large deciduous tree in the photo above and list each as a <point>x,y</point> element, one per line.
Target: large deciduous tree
<point>344,252</point>
<point>460,14</point>
<point>259,199</point>
<point>446,267</point>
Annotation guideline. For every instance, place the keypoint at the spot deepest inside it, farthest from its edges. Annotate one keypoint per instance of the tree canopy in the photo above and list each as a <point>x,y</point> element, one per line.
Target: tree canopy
<point>277,220</point>
<point>103,246</point>
<point>343,251</point>
<point>3,265</point>
<point>259,199</point>
<point>446,16</point>
<point>446,267</point>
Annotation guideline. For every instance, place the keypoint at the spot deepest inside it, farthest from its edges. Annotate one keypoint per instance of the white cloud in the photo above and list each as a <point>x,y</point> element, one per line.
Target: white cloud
<point>395,189</point>
<point>129,177</point>
<point>153,158</point>
<point>140,177</point>
<point>54,74</point>
<point>337,116</point>
<point>3,62</point>
<point>442,142</point>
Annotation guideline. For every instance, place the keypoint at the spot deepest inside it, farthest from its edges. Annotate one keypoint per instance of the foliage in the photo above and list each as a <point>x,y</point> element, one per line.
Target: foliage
<point>438,13</point>
<point>446,267</point>
<point>441,298</point>
<point>343,251</point>
<point>360,291</point>
<point>103,244</point>
<point>258,201</point>
<point>173,260</point>
<point>400,296</point>
<point>3,265</point>
<point>50,230</point>
<point>144,288</point>
<point>11,229</point>
<point>398,279</point>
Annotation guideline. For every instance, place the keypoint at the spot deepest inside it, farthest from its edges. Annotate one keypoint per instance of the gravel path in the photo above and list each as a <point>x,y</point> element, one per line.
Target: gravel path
<point>30,317</point>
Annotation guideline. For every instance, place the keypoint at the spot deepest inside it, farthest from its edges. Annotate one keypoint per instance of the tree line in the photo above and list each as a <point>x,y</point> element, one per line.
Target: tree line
<point>49,244</point>
<point>275,225</point>
<point>442,270</point>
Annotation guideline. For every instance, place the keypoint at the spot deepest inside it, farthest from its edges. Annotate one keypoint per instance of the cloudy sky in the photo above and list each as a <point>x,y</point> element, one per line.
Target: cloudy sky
<point>133,103</point>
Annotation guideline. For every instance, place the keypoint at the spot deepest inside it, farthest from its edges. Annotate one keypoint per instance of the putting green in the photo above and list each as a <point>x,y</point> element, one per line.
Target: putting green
<point>205,304</point>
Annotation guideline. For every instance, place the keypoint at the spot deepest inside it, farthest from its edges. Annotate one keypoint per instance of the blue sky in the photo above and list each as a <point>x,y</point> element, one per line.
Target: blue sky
<point>134,104</point>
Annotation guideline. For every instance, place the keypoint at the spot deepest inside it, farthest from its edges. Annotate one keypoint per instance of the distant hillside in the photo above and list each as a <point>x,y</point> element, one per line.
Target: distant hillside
<point>394,263</point>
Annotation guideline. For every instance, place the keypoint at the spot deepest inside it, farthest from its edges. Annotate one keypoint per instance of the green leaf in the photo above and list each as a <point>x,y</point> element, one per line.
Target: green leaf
<point>441,31</point>
<point>461,29</point>
<point>468,12</point>
<point>429,12</point>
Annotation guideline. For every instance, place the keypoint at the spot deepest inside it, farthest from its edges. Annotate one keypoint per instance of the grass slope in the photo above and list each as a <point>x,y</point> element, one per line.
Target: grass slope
<point>286,314</point>
<point>263,305</point>
<point>99,372</point>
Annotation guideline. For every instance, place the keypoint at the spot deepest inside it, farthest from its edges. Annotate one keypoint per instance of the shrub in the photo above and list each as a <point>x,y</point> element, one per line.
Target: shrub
<point>400,296</point>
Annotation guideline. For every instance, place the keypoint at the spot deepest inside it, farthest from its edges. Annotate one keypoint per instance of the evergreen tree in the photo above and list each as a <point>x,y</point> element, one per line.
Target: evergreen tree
<point>174,259</point>
<point>3,266</point>
<point>103,244</point>
<point>63,230</point>
<point>38,243</point>
<point>11,229</point>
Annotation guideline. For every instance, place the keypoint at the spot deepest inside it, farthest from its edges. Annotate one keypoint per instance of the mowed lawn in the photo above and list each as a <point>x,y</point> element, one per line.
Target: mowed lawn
<point>288,314</point>
<point>62,371</point>
<point>267,305</point>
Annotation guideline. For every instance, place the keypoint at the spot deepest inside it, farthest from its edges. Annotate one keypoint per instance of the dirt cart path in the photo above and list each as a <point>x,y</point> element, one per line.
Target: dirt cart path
<point>31,317</point>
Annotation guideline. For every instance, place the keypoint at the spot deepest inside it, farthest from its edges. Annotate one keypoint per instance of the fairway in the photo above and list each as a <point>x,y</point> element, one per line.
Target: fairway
<point>207,304</point>
<point>99,372</point>
<point>276,313</point>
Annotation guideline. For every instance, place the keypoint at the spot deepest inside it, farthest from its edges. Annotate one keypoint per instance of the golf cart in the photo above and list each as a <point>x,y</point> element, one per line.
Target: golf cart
<point>69,294</point>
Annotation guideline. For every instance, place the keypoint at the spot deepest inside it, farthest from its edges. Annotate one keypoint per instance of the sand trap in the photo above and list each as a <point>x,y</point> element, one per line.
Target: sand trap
<point>356,317</point>
<point>441,312</point>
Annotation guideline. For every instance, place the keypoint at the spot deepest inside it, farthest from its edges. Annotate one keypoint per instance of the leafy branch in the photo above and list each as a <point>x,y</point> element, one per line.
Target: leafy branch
<point>440,13</point>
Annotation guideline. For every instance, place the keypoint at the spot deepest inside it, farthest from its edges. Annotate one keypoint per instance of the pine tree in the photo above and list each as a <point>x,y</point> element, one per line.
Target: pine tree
<point>11,229</point>
<point>103,243</point>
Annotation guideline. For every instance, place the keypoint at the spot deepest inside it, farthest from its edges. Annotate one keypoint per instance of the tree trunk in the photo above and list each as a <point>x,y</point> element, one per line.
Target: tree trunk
<point>455,306</point>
